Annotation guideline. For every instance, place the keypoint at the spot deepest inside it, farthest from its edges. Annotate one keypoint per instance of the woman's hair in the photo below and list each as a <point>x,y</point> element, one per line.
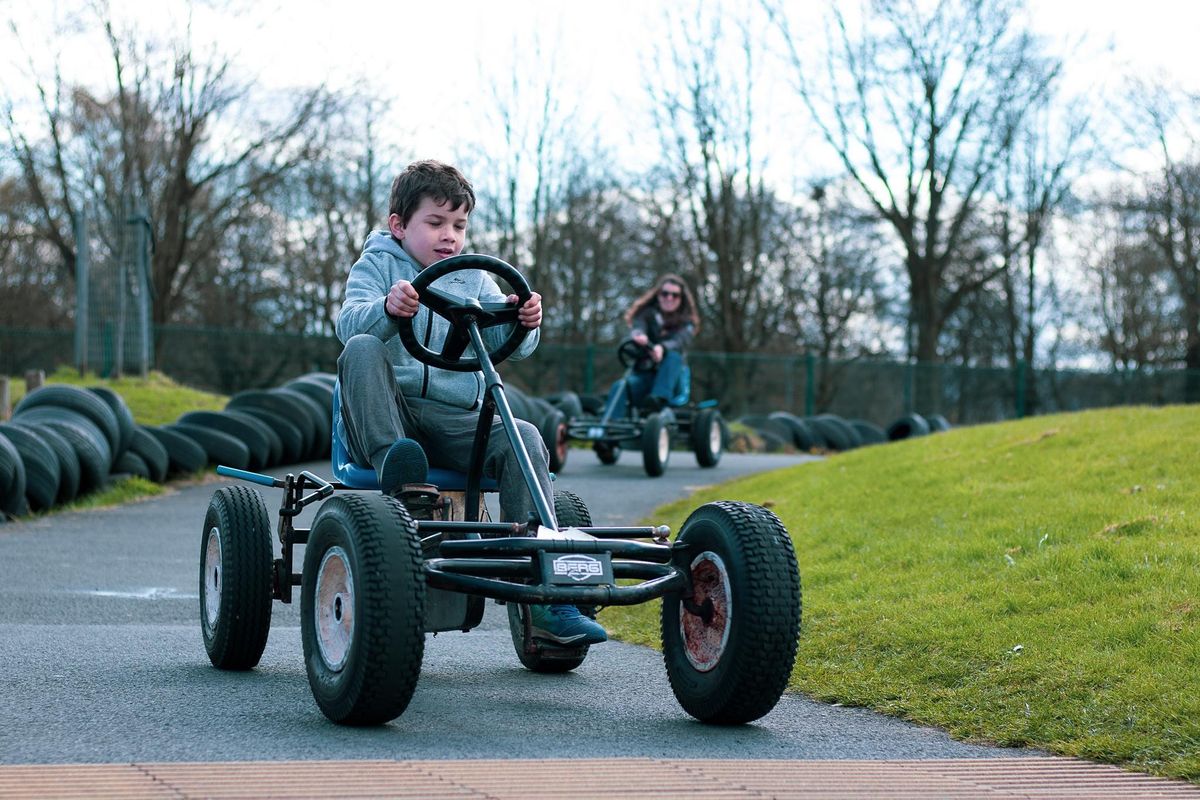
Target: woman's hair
<point>687,311</point>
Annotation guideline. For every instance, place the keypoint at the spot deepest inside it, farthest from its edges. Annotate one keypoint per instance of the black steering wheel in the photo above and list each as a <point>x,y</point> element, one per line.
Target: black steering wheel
<point>459,311</point>
<point>630,353</point>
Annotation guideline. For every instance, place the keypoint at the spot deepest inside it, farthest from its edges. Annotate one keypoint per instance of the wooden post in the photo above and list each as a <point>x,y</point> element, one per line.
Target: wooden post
<point>5,399</point>
<point>34,378</point>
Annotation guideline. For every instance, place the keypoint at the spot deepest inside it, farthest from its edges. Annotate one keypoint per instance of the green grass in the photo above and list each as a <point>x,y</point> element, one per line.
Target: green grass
<point>153,400</point>
<point>118,492</point>
<point>1027,583</point>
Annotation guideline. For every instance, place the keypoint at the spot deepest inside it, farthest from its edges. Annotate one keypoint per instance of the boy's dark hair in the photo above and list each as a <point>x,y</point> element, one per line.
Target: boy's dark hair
<point>421,179</point>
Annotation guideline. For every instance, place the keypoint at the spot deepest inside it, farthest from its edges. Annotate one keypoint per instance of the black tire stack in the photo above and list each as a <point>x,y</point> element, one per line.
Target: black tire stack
<point>830,433</point>
<point>258,428</point>
<point>66,441</point>
<point>914,424</point>
<point>550,415</point>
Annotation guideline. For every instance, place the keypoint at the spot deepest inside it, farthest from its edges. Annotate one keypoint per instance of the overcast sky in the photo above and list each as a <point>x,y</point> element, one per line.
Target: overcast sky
<point>424,56</point>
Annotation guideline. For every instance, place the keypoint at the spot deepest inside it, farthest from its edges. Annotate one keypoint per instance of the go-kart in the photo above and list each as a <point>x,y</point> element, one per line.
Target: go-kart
<point>698,425</point>
<point>379,572</point>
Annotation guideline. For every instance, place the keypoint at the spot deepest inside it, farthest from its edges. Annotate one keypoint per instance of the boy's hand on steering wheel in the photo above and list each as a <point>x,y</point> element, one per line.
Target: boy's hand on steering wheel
<point>530,314</point>
<point>402,300</point>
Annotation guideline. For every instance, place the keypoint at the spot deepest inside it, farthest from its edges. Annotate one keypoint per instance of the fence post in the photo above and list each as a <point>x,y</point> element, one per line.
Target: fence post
<point>143,246</point>
<point>81,293</point>
<point>810,384</point>
<point>588,368</point>
<point>1022,378</point>
<point>789,388</point>
<point>909,370</point>
<point>5,398</point>
<point>34,378</point>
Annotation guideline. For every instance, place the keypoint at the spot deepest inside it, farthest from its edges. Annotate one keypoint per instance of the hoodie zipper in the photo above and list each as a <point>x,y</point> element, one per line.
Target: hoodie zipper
<point>425,373</point>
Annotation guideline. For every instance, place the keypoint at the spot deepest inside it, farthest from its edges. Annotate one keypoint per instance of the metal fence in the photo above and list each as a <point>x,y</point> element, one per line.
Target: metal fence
<point>226,361</point>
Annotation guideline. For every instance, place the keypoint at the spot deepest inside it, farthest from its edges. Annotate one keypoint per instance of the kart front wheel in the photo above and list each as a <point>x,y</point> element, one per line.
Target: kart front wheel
<point>235,578</point>
<point>362,608</point>
<point>730,647</point>
<point>656,445</point>
<point>607,452</point>
<point>571,512</point>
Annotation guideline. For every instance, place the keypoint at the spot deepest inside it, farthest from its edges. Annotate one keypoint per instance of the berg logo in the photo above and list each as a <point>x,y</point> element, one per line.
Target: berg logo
<point>578,567</point>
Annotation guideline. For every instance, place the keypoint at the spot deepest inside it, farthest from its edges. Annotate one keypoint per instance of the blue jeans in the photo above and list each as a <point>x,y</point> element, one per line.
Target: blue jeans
<point>660,383</point>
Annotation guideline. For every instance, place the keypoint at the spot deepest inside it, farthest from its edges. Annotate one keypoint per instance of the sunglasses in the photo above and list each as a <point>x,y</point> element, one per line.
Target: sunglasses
<point>668,293</point>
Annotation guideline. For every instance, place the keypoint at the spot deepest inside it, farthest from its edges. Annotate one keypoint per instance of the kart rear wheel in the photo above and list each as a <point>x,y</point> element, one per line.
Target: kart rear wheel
<point>235,578</point>
<point>554,434</point>
<point>656,445</point>
<point>707,437</point>
<point>571,512</point>
<point>607,452</point>
<point>362,608</point>
<point>729,651</point>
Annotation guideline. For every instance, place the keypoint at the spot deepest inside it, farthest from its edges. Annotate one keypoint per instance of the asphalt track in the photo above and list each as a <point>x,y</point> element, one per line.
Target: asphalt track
<point>106,691</point>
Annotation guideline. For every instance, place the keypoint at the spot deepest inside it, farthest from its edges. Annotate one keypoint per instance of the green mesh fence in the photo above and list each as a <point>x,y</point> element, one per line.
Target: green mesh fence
<point>878,391</point>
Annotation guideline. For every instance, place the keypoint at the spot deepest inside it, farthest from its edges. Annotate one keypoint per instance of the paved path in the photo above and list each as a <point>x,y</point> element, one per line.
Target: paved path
<point>105,673</point>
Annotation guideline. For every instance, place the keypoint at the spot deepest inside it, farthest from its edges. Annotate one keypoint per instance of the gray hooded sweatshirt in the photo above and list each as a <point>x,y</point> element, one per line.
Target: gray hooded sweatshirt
<point>382,263</point>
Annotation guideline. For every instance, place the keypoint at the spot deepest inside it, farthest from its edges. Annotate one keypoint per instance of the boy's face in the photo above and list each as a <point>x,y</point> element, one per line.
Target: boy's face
<point>434,232</point>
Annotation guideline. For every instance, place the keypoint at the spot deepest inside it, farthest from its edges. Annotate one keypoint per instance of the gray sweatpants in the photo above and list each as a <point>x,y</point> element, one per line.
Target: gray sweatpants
<point>375,414</point>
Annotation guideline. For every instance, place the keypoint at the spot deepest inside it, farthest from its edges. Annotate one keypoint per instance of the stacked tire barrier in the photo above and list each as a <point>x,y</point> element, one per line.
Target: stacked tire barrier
<point>550,416</point>
<point>258,428</point>
<point>829,433</point>
<point>65,441</point>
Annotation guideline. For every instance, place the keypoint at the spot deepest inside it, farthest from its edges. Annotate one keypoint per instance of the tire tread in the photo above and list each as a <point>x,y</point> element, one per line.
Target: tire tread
<point>766,653</point>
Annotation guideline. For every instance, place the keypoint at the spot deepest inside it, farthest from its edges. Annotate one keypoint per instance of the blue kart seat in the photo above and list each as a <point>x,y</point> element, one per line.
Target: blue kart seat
<point>356,476</point>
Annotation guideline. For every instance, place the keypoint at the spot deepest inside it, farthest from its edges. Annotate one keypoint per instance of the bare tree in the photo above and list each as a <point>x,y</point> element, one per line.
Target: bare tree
<point>837,287</point>
<point>1171,119</point>
<point>1051,151</point>
<point>1130,286</point>
<point>921,104</point>
<point>325,207</point>
<point>521,167</point>
<point>551,200</point>
<point>151,137</point>
<point>726,221</point>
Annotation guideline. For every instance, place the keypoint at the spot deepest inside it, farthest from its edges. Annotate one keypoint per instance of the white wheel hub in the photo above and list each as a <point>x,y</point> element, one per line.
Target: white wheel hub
<point>706,636</point>
<point>213,576</point>
<point>333,607</point>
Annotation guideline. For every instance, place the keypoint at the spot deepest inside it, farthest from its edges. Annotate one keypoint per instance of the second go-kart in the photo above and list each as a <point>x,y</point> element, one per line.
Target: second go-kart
<point>698,425</point>
<point>380,572</point>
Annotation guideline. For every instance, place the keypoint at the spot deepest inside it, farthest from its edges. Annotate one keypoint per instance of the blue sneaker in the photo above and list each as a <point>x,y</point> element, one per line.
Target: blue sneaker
<point>404,462</point>
<point>565,625</point>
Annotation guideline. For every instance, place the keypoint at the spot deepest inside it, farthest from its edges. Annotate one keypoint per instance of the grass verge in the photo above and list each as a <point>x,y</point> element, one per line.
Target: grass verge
<point>1026,583</point>
<point>153,400</point>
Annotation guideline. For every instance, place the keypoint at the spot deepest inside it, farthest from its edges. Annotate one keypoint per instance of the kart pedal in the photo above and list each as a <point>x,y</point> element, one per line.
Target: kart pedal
<point>422,500</point>
<point>550,650</point>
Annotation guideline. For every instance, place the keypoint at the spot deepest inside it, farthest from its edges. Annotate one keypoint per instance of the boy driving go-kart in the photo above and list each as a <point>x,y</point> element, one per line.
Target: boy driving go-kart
<point>396,411</point>
<point>383,568</point>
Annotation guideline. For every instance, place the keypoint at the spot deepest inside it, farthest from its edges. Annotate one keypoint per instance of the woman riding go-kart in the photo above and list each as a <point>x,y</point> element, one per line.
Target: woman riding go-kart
<point>624,422</point>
